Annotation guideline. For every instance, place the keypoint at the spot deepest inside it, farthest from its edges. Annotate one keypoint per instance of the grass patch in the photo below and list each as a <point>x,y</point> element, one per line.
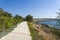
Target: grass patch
<point>34,32</point>
<point>56,31</point>
<point>8,30</point>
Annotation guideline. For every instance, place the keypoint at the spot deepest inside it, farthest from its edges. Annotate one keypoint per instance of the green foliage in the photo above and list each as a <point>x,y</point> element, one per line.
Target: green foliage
<point>7,20</point>
<point>18,18</point>
<point>29,18</point>
<point>7,14</point>
<point>34,32</point>
<point>55,31</point>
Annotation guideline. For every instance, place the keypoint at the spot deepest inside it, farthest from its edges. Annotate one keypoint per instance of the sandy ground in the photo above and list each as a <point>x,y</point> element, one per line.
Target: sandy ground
<point>21,32</point>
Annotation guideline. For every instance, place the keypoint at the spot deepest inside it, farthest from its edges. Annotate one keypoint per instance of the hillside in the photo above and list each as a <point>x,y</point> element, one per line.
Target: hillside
<point>47,32</point>
<point>43,32</point>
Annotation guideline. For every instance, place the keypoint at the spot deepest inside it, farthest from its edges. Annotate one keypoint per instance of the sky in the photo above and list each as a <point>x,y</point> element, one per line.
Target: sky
<point>36,8</point>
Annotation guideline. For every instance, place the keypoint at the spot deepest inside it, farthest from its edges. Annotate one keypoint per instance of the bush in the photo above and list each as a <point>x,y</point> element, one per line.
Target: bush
<point>34,32</point>
<point>29,18</point>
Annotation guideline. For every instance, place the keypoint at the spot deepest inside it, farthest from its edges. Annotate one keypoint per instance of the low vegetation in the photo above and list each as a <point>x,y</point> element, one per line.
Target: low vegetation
<point>8,22</point>
<point>55,31</point>
<point>34,32</point>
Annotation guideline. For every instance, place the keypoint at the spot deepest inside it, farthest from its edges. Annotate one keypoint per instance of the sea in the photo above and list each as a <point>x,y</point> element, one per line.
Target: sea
<point>51,23</point>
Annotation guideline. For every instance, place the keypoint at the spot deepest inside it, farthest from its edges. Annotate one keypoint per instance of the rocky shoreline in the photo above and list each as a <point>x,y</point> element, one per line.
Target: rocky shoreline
<point>46,31</point>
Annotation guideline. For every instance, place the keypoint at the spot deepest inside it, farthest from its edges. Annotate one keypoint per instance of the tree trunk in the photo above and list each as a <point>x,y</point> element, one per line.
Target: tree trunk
<point>3,27</point>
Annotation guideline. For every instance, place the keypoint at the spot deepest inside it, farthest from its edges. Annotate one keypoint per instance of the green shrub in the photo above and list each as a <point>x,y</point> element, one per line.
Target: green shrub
<point>34,32</point>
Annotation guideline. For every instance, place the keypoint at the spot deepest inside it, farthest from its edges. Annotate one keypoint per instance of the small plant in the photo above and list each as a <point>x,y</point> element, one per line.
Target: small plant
<point>34,32</point>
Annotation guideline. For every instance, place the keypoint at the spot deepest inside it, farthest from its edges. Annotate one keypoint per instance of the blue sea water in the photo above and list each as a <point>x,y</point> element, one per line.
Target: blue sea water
<point>52,23</point>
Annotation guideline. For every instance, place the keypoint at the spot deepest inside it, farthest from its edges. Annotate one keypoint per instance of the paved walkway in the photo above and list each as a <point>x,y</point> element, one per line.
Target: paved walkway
<point>21,32</point>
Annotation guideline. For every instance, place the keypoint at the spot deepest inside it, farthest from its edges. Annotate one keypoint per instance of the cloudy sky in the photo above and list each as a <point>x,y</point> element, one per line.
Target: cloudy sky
<point>37,8</point>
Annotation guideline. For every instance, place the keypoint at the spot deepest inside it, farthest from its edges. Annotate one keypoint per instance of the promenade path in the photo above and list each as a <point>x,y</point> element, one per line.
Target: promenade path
<point>21,32</point>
